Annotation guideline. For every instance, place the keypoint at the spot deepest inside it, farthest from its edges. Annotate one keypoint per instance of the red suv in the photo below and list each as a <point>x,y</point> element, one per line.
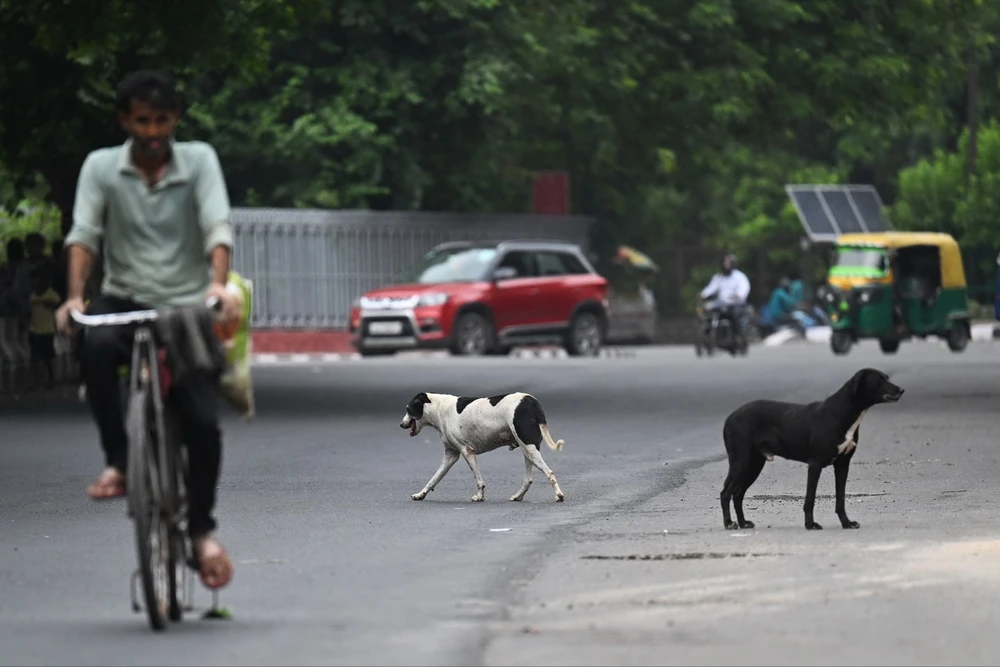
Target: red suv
<point>478,298</point>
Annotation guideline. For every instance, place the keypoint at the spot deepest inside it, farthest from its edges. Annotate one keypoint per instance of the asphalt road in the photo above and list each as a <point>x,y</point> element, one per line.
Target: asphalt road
<point>336,565</point>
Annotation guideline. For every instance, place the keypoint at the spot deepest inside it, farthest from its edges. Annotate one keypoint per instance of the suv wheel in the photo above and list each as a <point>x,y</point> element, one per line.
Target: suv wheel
<point>473,335</point>
<point>584,338</point>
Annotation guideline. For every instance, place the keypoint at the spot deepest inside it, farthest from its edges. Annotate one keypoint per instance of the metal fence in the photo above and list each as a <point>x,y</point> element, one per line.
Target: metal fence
<point>308,266</point>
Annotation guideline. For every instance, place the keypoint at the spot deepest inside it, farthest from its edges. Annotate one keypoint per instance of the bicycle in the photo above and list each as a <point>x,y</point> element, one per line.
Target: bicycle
<point>156,474</point>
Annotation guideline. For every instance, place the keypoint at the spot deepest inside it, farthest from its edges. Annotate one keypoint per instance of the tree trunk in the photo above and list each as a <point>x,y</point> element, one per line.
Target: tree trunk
<point>972,84</point>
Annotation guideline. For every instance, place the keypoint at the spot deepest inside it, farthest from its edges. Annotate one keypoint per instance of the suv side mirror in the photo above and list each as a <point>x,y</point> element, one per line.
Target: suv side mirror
<point>504,273</point>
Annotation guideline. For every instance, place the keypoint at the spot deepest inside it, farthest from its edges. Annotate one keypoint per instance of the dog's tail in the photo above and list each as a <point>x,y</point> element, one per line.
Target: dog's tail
<point>557,445</point>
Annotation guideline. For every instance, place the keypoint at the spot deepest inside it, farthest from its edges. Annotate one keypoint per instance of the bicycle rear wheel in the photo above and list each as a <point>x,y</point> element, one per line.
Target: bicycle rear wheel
<point>152,532</point>
<point>174,502</point>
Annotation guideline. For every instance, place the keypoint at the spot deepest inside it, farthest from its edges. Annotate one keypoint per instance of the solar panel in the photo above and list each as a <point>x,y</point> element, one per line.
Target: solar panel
<point>813,214</point>
<point>843,213</point>
<point>827,211</point>
<point>869,205</point>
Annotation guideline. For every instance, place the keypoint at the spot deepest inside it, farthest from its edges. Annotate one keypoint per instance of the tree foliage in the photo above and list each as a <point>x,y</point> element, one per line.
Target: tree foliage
<point>62,59</point>
<point>679,121</point>
<point>938,194</point>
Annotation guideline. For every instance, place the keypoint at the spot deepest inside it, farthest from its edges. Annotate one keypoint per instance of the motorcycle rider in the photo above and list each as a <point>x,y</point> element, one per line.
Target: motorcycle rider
<point>730,287</point>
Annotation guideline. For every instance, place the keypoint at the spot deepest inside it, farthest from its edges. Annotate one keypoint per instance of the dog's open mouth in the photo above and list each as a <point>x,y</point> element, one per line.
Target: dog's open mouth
<point>413,428</point>
<point>892,398</point>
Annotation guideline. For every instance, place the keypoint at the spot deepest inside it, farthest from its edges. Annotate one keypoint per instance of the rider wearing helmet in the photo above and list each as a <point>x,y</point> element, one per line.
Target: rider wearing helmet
<point>730,287</point>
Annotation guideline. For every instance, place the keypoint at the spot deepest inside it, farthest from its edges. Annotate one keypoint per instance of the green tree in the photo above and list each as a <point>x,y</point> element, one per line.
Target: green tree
<point>937,194</point>
<point>62,60</point>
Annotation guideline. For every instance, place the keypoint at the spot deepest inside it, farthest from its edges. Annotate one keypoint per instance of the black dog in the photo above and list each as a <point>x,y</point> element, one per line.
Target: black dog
<point>817,434</point>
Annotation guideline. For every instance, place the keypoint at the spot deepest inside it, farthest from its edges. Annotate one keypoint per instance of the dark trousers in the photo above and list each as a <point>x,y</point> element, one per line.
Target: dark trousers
<point>194,400</point>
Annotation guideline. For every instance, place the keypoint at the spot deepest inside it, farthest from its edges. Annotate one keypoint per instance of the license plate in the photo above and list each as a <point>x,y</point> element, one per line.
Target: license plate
<point>385,328</point>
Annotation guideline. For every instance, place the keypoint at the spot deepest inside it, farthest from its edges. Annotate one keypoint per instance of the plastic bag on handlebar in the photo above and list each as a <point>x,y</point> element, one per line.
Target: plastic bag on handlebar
<point>191,346</point>
<point>236,383</point>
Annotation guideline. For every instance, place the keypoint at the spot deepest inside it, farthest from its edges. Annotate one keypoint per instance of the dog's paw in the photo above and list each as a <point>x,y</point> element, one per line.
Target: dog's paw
<point>746,524</point>
<point>850,524</point>
<point>813,526</point>
<point>478,498</point>
<point>732,525</point>
<point>516,499</point>
<point>419,496</point>
<point>560,497</point>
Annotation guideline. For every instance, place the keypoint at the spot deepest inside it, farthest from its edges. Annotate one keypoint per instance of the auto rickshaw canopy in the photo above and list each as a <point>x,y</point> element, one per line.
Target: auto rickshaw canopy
<point>952,270</point>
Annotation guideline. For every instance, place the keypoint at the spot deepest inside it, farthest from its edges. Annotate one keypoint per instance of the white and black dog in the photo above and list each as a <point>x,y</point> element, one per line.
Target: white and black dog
<point>473,426</point>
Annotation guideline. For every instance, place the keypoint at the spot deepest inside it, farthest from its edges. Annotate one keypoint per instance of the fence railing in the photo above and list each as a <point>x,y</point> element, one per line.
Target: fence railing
<point>308,266</point>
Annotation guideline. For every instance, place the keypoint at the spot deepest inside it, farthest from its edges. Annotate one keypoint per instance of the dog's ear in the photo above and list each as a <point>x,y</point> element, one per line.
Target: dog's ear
<point>416,406</point>
<point>855,384</point>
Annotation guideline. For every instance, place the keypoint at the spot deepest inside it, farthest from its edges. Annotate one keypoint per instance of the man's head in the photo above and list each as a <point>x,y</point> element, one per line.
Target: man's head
<point>149,108</point>
<point>728,264</point>
<point>34,244</point>
<point>785,283</point>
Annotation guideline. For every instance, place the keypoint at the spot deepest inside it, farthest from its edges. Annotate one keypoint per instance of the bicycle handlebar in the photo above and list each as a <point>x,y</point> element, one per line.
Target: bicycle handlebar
<point>133,317</point>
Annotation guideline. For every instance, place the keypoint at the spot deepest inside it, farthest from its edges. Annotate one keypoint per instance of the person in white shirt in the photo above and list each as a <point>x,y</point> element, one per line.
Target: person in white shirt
<point>730,287</point>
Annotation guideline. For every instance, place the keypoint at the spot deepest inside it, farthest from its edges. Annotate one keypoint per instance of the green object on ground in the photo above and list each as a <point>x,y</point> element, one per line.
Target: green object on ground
<point>221,613</point>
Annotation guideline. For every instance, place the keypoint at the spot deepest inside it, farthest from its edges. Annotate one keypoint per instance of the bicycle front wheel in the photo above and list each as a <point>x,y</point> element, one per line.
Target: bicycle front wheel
<point>152,533</point>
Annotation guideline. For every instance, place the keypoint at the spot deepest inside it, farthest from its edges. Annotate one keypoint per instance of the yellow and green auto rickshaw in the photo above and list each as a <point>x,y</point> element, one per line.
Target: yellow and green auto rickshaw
<point>893,286</point>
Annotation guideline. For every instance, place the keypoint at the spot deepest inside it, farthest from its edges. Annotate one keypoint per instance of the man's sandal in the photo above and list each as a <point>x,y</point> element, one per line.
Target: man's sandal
<point>216,570</point>
<point>111,484</point>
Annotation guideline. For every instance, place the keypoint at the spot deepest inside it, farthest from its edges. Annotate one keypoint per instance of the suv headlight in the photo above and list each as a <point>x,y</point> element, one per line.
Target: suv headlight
<point>433,299</point>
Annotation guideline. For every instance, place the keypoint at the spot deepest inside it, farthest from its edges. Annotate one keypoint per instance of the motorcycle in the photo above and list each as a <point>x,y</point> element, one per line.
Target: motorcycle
<point>715,331</point>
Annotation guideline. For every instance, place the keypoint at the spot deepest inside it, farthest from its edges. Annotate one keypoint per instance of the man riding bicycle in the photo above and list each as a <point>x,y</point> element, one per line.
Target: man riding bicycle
<point>162,211</point>
<point>730,287</point>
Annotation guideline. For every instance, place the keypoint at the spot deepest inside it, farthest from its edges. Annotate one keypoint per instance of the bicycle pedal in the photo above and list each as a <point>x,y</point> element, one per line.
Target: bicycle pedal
<point>216,612</point>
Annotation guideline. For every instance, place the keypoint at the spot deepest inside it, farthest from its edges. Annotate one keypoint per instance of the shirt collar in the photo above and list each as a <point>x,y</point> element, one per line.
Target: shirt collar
<point>177,168</point>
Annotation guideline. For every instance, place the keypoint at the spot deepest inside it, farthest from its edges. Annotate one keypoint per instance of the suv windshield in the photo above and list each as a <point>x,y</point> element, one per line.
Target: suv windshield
<point>866,262</point>
<point>451,265</point>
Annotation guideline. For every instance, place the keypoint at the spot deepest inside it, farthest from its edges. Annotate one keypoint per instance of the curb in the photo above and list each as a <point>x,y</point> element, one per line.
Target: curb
<point>267,341</point>
<point>982,332</point>
<point>294,358</point>
<point>267,358</point>
<point>560,353</point>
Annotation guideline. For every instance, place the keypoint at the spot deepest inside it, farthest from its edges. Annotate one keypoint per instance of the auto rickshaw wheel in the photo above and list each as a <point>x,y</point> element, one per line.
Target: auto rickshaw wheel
<point>889,346</point>
<point>841,341</point>
<point>958,336</point>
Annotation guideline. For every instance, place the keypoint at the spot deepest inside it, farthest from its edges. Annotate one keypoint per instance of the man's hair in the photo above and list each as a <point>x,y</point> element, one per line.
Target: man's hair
<point>34,238</point>
<point>150,86</point>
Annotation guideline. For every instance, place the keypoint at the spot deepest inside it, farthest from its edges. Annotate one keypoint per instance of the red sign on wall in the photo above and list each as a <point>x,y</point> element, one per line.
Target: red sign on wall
<point>551,193</point>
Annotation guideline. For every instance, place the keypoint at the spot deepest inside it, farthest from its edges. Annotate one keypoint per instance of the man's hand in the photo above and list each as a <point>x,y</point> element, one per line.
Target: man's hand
<point>63,322</point>
<point>230,306</point>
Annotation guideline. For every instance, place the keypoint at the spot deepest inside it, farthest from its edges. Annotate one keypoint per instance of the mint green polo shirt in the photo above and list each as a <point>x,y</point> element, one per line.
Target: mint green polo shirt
<point>157,239</point>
